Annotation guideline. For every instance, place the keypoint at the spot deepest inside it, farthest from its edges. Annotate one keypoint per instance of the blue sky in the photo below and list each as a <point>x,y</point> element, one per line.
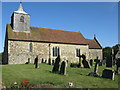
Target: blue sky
<point>89,18</point>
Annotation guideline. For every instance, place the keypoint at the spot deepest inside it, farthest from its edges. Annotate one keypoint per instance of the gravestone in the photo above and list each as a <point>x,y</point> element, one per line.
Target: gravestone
<point>49,61</point>
<point>95,74</point>
<point>63,68</point>
<point>71,65</point>
<point>91,62</point>
<point>109,61</point>
<point>79,65</point>
<point>56,65</point>
<point>45,61</point>
<point>108,73</point>
<point>53,62</point>
<point>96,65</point>
<point>42,60</point>
<point>28,61</point>
<point>84,62</point>
<point>36,62</point>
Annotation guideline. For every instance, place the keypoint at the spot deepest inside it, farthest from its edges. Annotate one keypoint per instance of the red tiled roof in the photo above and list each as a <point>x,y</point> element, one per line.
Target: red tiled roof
<point>47,35</point>
<point>93,44</point>
<point>52,35</point>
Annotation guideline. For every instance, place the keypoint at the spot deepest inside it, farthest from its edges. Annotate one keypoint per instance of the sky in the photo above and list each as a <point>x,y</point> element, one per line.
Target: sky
<point>89,18</point>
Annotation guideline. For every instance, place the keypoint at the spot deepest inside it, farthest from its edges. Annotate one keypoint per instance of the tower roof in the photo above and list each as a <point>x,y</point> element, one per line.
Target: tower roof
<point>20,9</point>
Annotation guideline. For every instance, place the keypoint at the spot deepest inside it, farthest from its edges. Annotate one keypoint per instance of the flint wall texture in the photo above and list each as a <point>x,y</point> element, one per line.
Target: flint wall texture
<point>20,51</point>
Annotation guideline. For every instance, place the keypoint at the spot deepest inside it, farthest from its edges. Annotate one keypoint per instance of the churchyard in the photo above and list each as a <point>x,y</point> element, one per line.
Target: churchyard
<point>44,77</point>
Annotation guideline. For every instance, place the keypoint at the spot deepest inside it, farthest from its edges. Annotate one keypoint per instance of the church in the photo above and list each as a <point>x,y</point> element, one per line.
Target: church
<point>24,42</point>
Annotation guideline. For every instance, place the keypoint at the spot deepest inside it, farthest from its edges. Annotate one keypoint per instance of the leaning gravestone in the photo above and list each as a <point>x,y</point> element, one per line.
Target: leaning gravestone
<point>84,62</point>
<point>42,60</point>
<point>91,62</point>
<point>63,68</point>
<point>108,73</point>
<point>36,62</point>
<point>56,65</point>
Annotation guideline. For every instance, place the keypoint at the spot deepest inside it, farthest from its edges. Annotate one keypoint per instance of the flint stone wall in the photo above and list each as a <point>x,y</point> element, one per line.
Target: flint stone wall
<point>94,53</point>
<point>19,51</point>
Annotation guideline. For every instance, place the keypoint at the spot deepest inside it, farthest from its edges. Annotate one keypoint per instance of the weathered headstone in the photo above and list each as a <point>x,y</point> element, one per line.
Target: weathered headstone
<point>84,62</point>
<point>56,65</point>
<point>91,62</point>
<point>53,62</point>
<point>49,61</point>
<point>28,61</point>
<point>109,61</point>
<point>79,65</point>
<point>36,62</point>
<point>63,68</point>
<point>108,73</point>
<point>71,65</point>
<point>42,60</point>
<point>45,61</point>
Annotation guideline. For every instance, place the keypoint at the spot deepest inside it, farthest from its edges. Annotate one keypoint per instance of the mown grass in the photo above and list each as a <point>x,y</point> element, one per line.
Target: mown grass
<point>43,75</point>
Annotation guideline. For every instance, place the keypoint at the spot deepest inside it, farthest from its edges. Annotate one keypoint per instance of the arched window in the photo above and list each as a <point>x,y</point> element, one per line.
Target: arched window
<point>56,51</point>
<point>30,47</point>
<point>21,19</point>
<point>77,52</point>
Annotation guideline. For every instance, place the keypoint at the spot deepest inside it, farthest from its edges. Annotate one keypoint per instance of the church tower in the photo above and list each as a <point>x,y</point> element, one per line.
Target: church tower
<point>20,20</point>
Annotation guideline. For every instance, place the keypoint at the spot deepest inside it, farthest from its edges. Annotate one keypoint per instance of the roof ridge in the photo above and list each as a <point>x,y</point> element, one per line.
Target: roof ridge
<point>89,39</point>
<point>54,29</point>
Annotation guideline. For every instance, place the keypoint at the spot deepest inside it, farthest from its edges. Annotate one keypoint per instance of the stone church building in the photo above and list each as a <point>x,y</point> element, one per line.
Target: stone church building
<point>24,42</point>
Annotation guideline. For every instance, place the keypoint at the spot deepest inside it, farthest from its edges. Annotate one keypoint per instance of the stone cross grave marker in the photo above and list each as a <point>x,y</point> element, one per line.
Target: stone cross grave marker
<point>96,65</point>
<point>63,68</point>
<point>108,73</point>
<point>56,65</point>
<point>95,74</point>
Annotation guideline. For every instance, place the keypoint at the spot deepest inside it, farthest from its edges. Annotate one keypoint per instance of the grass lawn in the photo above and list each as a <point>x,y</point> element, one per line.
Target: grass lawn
<point>43,75</point>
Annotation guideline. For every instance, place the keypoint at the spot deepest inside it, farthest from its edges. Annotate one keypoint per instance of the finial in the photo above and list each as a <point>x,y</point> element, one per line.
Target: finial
<point>20,7</point>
